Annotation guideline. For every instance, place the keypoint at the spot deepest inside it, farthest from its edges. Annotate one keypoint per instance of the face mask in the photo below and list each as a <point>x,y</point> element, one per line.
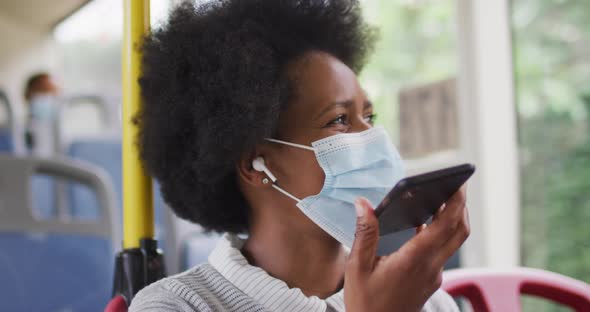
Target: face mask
<point>43,107</point>
<point>363,164</point>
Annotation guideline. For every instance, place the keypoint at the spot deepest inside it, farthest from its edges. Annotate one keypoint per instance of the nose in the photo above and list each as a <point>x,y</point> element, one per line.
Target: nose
<point>359,124</point>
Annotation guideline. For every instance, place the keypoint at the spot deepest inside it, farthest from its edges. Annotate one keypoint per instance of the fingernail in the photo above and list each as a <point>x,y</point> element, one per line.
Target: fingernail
<point>360,210</point>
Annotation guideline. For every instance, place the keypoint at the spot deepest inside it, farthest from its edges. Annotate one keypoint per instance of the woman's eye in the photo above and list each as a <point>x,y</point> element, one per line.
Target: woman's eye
<point>371,118</point>
<point>340,120</point>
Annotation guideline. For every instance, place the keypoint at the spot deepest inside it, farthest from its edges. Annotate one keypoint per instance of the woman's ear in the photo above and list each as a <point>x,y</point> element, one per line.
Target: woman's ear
<point>250,171</point>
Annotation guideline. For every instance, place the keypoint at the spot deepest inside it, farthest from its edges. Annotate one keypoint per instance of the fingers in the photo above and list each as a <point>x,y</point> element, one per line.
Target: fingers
<point>460,234</point>
<point>448,219</point>
<point>439,211</point>
<point>364,249</point>
<point>446,233</point>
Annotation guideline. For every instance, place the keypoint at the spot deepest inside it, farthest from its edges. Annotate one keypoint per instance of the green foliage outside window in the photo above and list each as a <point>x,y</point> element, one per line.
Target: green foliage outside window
<point>552,58</point>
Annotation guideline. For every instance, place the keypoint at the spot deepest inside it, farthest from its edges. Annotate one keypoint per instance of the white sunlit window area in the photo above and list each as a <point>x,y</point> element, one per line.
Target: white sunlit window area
<point>430,79</point>
<point>414,90</point>
<point>411,77</point>
<point>88,44</point>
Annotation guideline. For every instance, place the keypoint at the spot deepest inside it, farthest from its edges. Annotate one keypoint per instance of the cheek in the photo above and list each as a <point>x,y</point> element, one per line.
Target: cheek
<point>300,173</point>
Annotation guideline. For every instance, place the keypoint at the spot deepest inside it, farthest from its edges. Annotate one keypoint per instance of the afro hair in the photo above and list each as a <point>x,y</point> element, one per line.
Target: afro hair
<point>213,86</point>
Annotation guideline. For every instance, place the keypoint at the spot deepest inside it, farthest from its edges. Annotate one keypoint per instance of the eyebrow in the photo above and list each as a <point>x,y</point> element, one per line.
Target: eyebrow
<point>344,104</point>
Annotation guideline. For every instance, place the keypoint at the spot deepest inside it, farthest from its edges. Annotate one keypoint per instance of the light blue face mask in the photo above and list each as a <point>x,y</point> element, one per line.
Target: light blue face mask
<point>362,164</point>
<point>43,107</point>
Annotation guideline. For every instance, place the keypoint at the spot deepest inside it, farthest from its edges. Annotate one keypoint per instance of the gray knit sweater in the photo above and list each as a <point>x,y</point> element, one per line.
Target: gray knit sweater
<point>229,283</point>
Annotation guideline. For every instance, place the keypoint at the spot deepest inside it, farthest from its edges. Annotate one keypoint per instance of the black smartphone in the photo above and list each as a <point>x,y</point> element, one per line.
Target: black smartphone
<point>415,199</point>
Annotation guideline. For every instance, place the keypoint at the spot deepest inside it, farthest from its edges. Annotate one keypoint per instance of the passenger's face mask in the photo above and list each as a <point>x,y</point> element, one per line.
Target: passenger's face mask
<point>43,107</point>
<point>363,164</point>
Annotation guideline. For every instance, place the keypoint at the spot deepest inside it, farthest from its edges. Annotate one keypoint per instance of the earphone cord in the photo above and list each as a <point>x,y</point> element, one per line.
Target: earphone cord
<point>278,188</point>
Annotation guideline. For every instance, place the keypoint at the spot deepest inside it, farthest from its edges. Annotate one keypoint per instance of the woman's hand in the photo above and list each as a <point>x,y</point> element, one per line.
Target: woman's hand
<point>405,279</point>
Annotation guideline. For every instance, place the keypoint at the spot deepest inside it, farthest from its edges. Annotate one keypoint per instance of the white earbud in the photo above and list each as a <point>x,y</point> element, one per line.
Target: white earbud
<point>258,165</point>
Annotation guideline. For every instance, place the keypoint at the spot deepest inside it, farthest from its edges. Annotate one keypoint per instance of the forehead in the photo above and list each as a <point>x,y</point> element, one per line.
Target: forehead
<point>321,78</point>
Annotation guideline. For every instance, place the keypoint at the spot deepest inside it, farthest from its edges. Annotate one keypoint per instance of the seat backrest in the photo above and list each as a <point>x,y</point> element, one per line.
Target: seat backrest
<point>117,304</point>
<point>6,141</point>
<point>54,264</point>
<point>6,124</point>
<point>100,116</point>
<point>45,192</point>
<point>499,290</point>
<point>106,153</point>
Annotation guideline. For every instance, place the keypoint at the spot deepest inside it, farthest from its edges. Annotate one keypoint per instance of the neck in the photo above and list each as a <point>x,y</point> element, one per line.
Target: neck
<point>313,263</point>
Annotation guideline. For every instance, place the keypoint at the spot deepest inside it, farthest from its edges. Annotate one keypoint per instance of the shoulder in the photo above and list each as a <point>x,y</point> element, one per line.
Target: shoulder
<point>440,301</point>
<point>187,291</point>
<point>201,289</point>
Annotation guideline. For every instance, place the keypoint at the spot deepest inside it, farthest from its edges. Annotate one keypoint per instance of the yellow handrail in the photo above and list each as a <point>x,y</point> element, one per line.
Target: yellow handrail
<point>138,210</point>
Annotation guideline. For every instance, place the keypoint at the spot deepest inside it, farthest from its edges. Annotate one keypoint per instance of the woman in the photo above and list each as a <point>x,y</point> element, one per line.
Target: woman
<point>254,122</point>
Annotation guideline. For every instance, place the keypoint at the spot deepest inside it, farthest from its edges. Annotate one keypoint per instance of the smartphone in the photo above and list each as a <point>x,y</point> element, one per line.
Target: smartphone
<point>415,199</point>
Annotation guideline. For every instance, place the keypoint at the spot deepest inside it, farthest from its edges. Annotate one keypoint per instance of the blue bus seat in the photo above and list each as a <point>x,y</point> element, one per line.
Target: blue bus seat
<point>58,264</point>
<point>107,154</point>
<point>6,132</point>
<point>44,199</point>
<point>6,141</point>
<point>54,272</point>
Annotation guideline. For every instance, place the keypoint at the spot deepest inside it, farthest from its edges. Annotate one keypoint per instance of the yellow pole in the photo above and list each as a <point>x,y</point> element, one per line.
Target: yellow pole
<point>138,211</point>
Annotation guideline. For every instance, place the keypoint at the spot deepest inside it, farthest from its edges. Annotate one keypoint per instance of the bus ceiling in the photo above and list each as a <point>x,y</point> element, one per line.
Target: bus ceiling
<point>39,15</point>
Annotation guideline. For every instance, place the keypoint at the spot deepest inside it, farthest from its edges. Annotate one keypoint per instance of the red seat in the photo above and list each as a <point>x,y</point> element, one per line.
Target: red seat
<point>499,290</point>
<point>117,304</point>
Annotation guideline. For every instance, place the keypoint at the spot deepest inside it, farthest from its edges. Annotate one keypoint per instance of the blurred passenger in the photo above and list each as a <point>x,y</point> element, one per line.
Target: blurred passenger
<point>42,132</point>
